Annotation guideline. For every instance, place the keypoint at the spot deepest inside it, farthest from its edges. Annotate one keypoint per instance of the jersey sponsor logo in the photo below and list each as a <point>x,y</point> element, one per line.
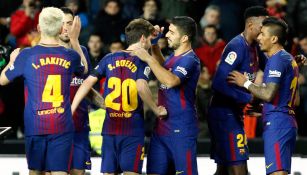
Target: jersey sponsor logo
<point>274,73</point>
<point>12,67</point>
<point>76,81</point>
<point>120,114</point>
<point>268,166</point>
<point>52,61</point>
<point>147,71</point>
<point>181,70</point>
<point>231,57</point>
<point>123,63</point>
<point>58,110</point>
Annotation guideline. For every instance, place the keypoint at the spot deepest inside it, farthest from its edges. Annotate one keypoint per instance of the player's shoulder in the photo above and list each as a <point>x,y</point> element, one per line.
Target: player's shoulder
<point>83,48</point>
<point>191,56</point>
<point>237,43</point>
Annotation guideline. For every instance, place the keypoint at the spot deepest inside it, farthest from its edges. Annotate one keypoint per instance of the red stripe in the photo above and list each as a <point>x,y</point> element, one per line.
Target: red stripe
<point>137,158</point>
<point>189,162</point>
<point>276,99</point>
<point>182,97</point>
<point>277,156</point>
<point>70,156</point>
<point>232,147</point>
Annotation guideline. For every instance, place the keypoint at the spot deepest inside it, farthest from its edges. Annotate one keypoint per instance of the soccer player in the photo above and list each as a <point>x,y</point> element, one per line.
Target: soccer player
<point>47,71</point>
<point>279,93</point>
<point>82,151</point>
<point>229,145</point>
<point>174,138</point>
<point>125,88</point>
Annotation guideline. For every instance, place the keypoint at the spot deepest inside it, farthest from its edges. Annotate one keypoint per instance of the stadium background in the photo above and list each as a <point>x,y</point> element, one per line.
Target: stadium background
<point>103,23</point>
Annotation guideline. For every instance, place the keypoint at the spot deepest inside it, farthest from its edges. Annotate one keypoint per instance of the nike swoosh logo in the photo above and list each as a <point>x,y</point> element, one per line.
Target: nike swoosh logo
<point>268,166</point>
<point>88,163</point>
<point>179,172</point>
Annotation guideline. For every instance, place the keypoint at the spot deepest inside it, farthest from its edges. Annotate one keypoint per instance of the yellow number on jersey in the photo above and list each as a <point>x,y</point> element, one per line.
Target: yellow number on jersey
<point>127,89</point>
<point>242,140</point>
<point>52,91</point>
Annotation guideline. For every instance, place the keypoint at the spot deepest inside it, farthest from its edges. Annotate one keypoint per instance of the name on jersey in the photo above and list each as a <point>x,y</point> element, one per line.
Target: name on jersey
<point>58,110</point>
<point>274,73</point>
<point>52,61</point>
<point>123,63</point>
<point>76,81</point>
<point>120,114</point>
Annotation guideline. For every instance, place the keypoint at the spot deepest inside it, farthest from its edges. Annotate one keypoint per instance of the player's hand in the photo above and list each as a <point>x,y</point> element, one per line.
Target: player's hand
<point>237,78</point>
<point>141,53</point>
<point>158,33</point>
<point>300,60</point>
<point>14,55</point>
<point>161,112</point>
<point>74,32</point>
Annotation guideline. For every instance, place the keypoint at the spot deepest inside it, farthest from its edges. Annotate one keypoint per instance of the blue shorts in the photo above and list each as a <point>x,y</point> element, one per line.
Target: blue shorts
<point>49,152</point>
<point>167,152</point>
<point>278,148</point>
<point>122,154</point>
<point>228,139</point>
<point>81,158</point>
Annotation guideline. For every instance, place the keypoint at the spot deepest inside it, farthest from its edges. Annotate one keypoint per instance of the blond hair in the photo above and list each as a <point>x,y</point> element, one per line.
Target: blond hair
<point>51,21</point>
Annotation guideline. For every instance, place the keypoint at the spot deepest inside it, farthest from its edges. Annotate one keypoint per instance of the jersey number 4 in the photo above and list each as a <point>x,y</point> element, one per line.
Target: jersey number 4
<point>52,91</point>
<point>127,90</point>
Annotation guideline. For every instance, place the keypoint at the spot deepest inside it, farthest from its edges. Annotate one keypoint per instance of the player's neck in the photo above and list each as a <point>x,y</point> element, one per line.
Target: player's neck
<point>134,46</point>
<point>65,44</point>
<point>275,48</point>
<point>51,41</point>
<point>182,49</point>
<point>247,37</point>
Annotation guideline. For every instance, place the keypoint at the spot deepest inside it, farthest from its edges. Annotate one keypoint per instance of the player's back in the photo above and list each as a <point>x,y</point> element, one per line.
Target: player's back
<point>47,73</point>
<point>124,107</point>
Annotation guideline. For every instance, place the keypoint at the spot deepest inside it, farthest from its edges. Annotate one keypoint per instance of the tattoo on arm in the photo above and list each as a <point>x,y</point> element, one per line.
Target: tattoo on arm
<point>264,92</point>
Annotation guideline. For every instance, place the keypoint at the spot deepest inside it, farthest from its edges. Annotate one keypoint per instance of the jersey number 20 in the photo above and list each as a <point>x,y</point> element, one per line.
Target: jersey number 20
<point>127,89</point>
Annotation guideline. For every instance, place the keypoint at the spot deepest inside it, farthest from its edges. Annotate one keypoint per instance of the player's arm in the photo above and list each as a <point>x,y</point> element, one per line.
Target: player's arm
<point>265,92</point>
<point>155,49</point>
<point>3,78</point>
<point>165,77</point>
<point>83,90</point>
<point>230,60</point>
<point>146,96</point>
<point>95,98</point>
<point>157,54</point>
<point>74,35</point>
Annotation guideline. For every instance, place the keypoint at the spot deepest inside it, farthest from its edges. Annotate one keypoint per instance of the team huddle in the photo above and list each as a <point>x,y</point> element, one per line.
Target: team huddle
<point>58,77</point>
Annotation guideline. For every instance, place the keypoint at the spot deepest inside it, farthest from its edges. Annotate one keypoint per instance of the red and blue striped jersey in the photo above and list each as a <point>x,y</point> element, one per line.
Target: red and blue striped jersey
<point>124,107</point>
<point>180,100</point>
<point>47,73</point>
<point>80,117</point>
<point>281,69</point>
<point>243,57</point>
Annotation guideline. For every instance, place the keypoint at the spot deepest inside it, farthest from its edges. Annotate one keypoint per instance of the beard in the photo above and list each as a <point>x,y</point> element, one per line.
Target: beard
<point>173,45</point>
<point>64,38</point>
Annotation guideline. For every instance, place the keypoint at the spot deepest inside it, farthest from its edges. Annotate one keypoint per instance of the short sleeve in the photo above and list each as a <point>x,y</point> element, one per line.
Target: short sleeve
<point>17,68</point>
<point>78,67</point>
<point>276,70</point>
<point>100,70</point>
<point>143,71</point>
<point>184,67</point>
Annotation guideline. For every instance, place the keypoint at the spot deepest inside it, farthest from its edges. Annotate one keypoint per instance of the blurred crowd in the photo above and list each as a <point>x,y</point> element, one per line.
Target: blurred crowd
<point>103,23</point>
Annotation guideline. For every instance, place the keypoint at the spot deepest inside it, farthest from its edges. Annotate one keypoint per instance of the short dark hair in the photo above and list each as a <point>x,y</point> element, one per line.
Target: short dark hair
<point>277,27</point>
<point>186,26</point>
<point>67,10</point>
<point>136,28</point>
<point>255,11</point>
<point>211,26</point>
